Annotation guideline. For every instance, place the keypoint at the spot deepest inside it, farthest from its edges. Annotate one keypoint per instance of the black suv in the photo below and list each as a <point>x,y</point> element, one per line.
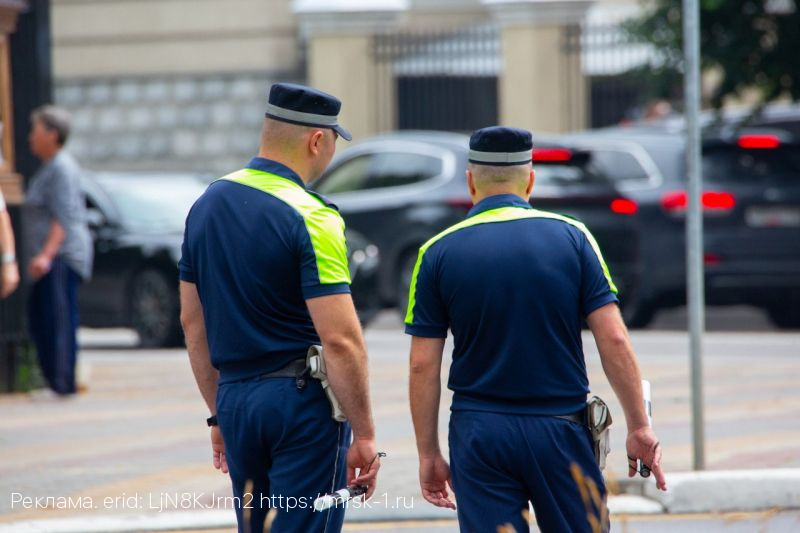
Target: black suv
<point>751,205</point>
<point>400,189</point>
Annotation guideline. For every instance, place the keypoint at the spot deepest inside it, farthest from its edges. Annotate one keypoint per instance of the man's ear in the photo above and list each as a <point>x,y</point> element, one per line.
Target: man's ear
<point>531,180</point>
<point>52,135</point>
<point>471,184</point>
<point>315,141</point>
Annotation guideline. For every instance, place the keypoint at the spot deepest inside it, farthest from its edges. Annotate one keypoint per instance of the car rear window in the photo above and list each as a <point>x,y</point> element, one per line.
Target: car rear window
<point>378,171</point>
<point>578,171</point>
<point>731,164</point>
<point>564,175</point>
<point>618,165</point>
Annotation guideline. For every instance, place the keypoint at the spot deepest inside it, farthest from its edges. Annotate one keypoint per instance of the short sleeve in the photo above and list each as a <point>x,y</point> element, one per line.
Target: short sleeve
<point>426,315</point>
<point>597,287</point>
<point>63,195</point>
<point>185,267</point>
<point>322,249</point>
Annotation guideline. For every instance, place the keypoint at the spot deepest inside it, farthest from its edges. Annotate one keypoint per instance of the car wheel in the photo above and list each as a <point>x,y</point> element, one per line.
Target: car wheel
<point>154,310</point>
<point>365,316</point>
<point>785,316</point>
<point>405,269</point>
<point>638,313</point>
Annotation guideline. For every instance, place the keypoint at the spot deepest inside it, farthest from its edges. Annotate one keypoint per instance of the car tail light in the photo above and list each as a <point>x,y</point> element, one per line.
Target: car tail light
<point>460,203</point>
<point>676,202</point>
<point>761,142</point>
<point>552,154</point>
<point>624,206</point>
<point>710,259</point>
<point>718,201</point>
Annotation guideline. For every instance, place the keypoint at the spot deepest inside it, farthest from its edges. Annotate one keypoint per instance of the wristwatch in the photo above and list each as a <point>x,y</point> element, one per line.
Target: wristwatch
<point>212,421</point>
<point>9,258</point>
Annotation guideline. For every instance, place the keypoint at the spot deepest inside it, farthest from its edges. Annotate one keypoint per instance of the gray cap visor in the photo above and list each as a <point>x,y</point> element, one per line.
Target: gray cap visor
<point>308,119</point>
<point>500,158</point>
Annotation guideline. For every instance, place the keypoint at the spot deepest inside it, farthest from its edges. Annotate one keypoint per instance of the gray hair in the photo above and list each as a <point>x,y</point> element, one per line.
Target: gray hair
<point>490,174</point>
<point>54,119</point>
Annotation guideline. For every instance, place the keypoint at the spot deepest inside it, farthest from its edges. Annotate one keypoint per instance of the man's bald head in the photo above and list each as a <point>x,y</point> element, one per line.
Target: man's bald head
<point>305,149</point>
<point>488,180</point>
<point>284,136</point>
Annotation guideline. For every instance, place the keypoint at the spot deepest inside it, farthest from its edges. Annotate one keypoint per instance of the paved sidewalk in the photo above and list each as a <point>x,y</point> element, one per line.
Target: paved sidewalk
<point>139,431</point>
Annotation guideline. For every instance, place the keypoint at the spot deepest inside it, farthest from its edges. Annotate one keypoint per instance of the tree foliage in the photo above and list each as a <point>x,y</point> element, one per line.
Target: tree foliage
<point>753,43</point>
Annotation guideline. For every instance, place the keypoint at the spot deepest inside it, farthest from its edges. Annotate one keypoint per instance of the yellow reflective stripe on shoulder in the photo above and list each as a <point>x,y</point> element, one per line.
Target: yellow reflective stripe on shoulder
<point>324,224</point>
<point>501,214</point>
<point>589,237</point>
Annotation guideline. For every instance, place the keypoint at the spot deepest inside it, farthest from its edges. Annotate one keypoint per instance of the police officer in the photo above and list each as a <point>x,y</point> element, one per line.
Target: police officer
<point>264,276</point>
<point>513,284</point>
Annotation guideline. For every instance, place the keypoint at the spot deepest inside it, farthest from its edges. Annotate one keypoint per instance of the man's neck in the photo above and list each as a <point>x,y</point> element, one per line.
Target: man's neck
<point>49,155</point>
<point>484,195</point>
<point>297,167</point>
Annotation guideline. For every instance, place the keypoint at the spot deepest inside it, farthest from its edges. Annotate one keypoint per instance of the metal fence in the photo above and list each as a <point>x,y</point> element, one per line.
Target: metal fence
<point>439,79</point>
<point>447,79</point>
<point>615,66</point>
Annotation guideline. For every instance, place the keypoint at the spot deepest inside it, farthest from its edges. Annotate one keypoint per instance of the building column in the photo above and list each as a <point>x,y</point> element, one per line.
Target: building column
<point>541,85</point>
<point>340,58</point>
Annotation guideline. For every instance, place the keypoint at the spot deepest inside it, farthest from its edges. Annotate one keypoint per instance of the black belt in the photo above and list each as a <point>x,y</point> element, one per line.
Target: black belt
<point>295,369</point>
<point>579,417</point>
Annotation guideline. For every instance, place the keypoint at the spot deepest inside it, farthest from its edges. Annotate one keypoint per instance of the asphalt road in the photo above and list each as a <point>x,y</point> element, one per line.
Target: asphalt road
<point>139,428</point>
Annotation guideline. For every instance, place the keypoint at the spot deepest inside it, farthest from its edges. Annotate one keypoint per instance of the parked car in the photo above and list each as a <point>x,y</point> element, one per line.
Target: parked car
<point>751,205</point>
<point>783,116</point>
<point>137,222</point>
<point>400,189</point>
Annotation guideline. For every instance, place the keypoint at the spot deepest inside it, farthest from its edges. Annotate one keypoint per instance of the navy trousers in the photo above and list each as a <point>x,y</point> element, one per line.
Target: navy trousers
<point>53,324</point>
<point>500,462</point>
<point>283,451</point>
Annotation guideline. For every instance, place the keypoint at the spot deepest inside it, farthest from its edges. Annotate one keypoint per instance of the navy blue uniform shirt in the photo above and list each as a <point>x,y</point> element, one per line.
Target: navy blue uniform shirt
<point>258,245</point>
<point>513,284</point>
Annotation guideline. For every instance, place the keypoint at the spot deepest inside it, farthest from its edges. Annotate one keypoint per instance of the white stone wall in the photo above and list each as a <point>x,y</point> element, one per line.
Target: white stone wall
<point>201,123</point>
<point>117,38</point>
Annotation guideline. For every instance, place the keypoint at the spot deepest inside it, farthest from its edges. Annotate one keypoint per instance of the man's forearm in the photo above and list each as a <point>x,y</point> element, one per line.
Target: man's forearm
<point>619,363</point>
<point>336,322</point>
<point>346,364</point>
<point>200,360</point>
<point>425,389</point>
<point>53,241</point>
<point>6,234</point>
<point>194,330</point>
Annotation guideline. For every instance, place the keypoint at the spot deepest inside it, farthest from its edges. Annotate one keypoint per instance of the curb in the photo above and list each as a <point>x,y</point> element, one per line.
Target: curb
<point>728,490</point>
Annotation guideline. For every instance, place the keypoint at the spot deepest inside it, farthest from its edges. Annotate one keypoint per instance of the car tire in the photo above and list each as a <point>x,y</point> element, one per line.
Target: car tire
<point>786,316</point>
<point>405,269</point>
<point>638,314</point>
<point>154,310</point>
<point>365,316</point>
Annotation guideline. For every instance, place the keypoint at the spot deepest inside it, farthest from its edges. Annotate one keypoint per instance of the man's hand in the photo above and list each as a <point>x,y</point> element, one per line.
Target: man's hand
<point>39,266</point>
<point>363,452</point>
<point>10,279</point>
<point>643,445</point>
<point>434,477</point>
<point>218,450</point>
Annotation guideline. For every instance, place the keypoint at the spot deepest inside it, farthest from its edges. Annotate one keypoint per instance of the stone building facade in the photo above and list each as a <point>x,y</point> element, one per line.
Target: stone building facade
<point>170,84</point>
<point>181,84</point>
